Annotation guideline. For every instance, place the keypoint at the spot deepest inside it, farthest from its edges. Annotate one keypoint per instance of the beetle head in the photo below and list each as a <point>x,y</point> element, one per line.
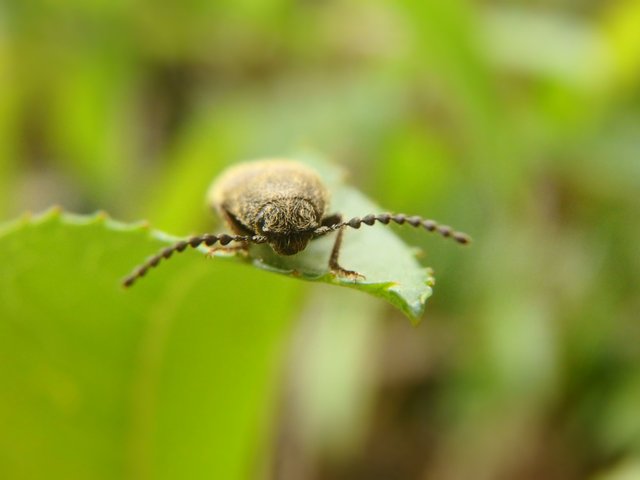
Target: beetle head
<point>288,224</point>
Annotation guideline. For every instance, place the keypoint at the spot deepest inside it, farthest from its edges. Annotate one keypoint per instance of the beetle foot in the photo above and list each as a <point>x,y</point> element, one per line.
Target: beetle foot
<point>239,249</point>
<point>347,274</point>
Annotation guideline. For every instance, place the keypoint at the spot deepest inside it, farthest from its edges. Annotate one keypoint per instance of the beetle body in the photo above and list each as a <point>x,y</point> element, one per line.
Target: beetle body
<point>283,203</point>
<point>282,200</point>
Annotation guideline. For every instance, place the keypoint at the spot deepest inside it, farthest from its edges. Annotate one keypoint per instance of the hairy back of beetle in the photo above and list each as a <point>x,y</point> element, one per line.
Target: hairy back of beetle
<point>244,189</point>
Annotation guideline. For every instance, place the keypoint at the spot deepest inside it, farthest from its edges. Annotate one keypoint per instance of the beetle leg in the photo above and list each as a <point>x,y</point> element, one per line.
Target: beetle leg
<point>242,249</point>
<point>335,267</point>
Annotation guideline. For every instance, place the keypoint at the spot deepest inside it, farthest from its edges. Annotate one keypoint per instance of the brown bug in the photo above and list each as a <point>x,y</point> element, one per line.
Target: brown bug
<point>282,203</point>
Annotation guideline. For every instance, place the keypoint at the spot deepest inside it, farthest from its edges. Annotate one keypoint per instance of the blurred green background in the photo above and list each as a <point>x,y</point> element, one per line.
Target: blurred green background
<point>516,121</point>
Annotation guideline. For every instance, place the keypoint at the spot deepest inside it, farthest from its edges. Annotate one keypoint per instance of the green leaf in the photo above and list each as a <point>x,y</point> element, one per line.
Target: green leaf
<point>175,379</point>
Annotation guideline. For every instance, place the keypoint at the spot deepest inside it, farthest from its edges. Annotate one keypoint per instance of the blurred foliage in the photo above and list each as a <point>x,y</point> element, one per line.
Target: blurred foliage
<point>518,122</point>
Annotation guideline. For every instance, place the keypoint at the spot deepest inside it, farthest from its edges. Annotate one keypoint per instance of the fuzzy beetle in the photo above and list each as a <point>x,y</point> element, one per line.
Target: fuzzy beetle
<point>282,203</point>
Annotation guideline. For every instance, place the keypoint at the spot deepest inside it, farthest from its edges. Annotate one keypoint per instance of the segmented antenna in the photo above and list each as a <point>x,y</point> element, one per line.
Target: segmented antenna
<point>400,219</point>
<point>193,242</point>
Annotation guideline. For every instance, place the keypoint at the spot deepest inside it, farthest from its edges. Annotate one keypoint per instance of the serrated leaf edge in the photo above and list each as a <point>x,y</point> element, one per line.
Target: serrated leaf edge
<point>413,310</point>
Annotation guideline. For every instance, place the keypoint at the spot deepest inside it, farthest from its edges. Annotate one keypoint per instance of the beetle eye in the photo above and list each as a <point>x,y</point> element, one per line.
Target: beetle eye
<point>261,226</point>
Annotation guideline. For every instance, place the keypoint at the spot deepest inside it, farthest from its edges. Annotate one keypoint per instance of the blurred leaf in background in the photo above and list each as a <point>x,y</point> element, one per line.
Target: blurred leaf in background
<point>518,122</point>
